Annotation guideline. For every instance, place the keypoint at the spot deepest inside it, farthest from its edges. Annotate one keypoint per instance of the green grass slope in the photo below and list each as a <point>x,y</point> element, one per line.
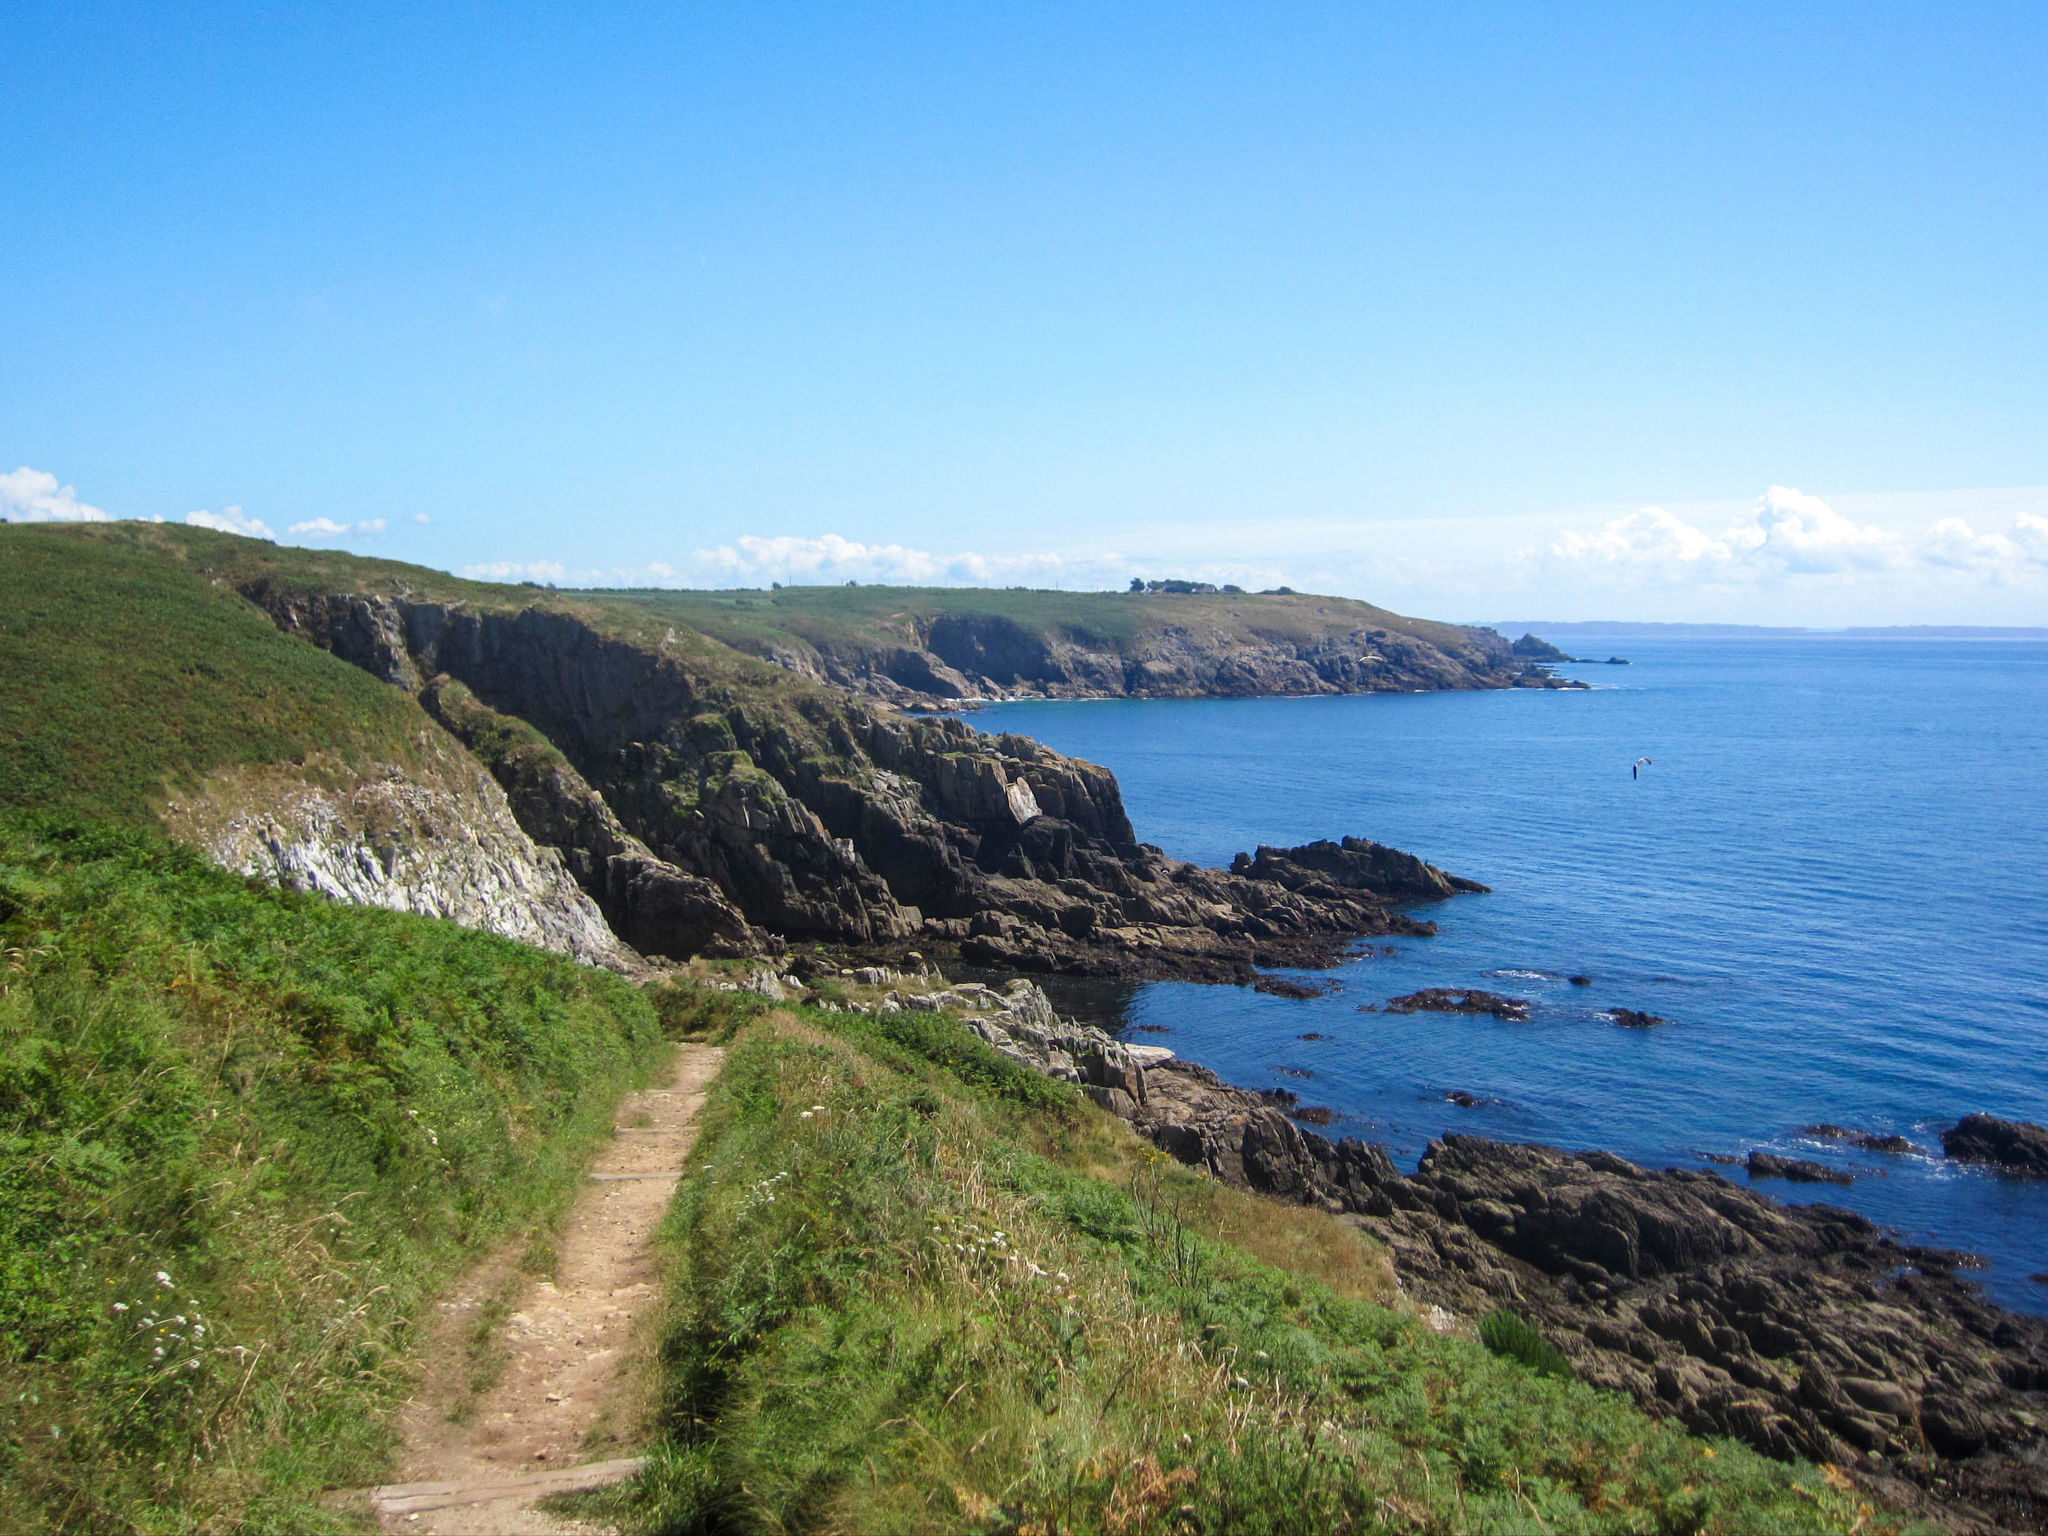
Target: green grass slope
<point>129,672</point>
<point>855,620</point>
<point>245,1137</point>
<point>917,1289</point>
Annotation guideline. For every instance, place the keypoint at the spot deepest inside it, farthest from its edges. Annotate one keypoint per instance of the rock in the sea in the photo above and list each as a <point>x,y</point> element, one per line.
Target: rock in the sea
<point>1630,1018</point>
<point>1869,1141</point>
<point>2019,1146</point>
<point>1803,1330</point>
<point>1765,1165</point>
<point>1460,1000</point>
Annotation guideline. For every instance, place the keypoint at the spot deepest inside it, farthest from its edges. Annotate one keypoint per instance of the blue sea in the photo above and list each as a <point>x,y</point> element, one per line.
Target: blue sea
<point>1832,880</point>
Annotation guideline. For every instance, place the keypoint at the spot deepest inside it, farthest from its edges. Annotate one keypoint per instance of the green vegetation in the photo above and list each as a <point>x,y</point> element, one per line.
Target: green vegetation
<point>915,1289</point>
<point>1510,1334</point>
<point>245,1137</point>
<point>128,673</point>
<point>851,621</point>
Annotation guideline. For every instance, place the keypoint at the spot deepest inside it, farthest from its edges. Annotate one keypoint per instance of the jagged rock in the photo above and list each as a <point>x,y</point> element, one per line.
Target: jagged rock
<point>649,902</point>
<point>1766,1165</point>
<point>817,817</point>
<point>1630,1018</point>
<point>1803,1330</point>
<point>1460,1000</point>
<point>437,838</point>
<point>1869,1141</point>
<point>2019,1146</point>
<point>1354,864</point>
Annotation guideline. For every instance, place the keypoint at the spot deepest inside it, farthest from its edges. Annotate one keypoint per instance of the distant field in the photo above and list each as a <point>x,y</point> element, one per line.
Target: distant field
<point>861,618</point>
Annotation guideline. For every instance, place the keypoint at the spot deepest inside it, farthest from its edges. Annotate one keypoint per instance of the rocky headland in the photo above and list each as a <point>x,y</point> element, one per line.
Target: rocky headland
<point>1804,1330</point>
<point>934,648</point>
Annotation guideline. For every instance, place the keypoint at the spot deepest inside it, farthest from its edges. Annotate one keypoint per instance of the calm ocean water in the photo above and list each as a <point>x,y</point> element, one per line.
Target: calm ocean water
<point>1833,880</point>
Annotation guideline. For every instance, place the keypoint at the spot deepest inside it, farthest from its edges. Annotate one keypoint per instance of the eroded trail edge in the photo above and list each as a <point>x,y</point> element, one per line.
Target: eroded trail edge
<point>474,1466</point>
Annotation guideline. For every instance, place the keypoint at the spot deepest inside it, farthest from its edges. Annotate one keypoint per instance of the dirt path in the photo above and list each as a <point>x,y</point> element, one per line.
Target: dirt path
<point>472,1465</point>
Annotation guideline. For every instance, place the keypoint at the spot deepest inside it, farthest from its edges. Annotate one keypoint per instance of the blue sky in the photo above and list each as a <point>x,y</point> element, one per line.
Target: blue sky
<point>1473,309</point>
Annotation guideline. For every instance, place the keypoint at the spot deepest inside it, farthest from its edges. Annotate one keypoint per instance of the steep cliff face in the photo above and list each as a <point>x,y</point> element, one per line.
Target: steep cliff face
<point>816,816</point>
<point>989,656</point>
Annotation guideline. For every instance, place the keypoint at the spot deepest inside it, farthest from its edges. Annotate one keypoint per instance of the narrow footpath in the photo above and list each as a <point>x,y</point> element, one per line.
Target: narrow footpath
<point>474,1465</point>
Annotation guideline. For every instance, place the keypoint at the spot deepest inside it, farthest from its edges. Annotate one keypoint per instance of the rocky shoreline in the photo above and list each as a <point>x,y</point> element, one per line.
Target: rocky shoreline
<point>1803,1330</point>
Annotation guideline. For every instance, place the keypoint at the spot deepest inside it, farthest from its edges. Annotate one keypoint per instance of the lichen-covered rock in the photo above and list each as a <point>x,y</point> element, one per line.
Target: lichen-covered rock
<point>439,841</point>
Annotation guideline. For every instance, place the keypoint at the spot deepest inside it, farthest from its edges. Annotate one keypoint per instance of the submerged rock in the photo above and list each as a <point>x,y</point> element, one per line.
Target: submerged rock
<point>1765,1165</point>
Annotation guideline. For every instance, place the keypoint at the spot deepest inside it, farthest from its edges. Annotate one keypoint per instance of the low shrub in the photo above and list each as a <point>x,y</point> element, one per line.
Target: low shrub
<point>1510,1334</point>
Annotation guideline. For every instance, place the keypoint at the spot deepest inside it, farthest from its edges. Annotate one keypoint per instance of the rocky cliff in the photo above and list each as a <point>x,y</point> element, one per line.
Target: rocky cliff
<point>705,802</point>
<point>928,646</point>
<point>1803,1330</point>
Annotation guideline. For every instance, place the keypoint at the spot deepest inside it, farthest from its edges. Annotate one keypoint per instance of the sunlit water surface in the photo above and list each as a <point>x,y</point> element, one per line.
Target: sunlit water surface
<point>1830,880</point>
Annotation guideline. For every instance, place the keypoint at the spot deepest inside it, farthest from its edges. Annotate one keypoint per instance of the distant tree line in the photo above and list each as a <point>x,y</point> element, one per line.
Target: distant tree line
<point>1195,588</point>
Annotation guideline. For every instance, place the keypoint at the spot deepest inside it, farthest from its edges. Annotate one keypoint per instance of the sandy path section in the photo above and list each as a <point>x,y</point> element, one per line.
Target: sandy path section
<point>567,1345</point>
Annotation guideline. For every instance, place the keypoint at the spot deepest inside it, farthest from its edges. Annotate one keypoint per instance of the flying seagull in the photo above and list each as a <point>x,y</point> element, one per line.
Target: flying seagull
<point>1635,769</point>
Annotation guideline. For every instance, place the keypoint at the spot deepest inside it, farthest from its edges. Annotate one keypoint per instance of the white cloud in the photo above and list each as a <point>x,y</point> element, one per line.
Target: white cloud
<point>327,527</point>
<point>551,572</point>
<point>1788,536</point>
<point>34,496</point>
<point>421,518</point>
<point>231,520</point>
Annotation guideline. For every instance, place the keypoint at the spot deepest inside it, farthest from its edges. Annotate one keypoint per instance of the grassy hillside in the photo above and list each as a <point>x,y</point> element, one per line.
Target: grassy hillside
<point>851,620</point>
<point>128,672</point>
<point>245,1137</point>
<point>917,1289</point>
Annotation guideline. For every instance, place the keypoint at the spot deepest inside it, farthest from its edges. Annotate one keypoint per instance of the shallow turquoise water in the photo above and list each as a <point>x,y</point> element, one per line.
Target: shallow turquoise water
<point>1831,880</point>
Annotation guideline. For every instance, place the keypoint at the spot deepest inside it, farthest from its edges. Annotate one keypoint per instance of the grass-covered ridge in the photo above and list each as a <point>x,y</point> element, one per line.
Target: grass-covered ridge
<point>857,620</point>
<point>129,673</point>
<point>246,1136</point>
<point>912,1293</point>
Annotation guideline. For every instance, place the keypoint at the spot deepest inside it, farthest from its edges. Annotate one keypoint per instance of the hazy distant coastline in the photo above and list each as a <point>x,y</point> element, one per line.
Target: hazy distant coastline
<point>1625,629</point>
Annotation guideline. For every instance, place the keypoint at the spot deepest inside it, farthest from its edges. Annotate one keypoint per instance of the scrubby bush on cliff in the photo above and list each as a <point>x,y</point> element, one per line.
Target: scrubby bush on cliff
<point>245,1136</point>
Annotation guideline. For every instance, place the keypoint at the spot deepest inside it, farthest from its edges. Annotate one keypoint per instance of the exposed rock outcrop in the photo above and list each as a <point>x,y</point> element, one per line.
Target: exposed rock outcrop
<point>438,840</point>
<point>1803,1330</point>
<point>2018,1146</point>
<point>819,817</point>
<point>651,904</point>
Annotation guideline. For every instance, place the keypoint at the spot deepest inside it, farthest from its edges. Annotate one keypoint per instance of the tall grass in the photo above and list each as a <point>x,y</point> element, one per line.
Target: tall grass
<point>905,1302</point>
<point>245,1137</point>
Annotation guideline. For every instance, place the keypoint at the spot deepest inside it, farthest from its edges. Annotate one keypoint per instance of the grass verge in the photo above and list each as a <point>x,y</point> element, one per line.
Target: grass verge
<point>245,1137</point>
<point>916,1289</point>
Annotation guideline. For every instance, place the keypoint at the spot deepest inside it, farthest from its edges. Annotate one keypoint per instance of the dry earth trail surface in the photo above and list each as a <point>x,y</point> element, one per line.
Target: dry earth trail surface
<point>474,1466</point>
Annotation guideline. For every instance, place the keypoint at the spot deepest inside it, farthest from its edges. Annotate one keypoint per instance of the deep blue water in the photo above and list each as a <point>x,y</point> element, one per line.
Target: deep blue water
<point>1833,880</point>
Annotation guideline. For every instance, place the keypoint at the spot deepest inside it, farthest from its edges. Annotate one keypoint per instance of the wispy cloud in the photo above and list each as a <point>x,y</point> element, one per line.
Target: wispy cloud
<point>34,496</point>
<point>328,528</point>
<point>231,520</point>
<point>1788,536</point>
